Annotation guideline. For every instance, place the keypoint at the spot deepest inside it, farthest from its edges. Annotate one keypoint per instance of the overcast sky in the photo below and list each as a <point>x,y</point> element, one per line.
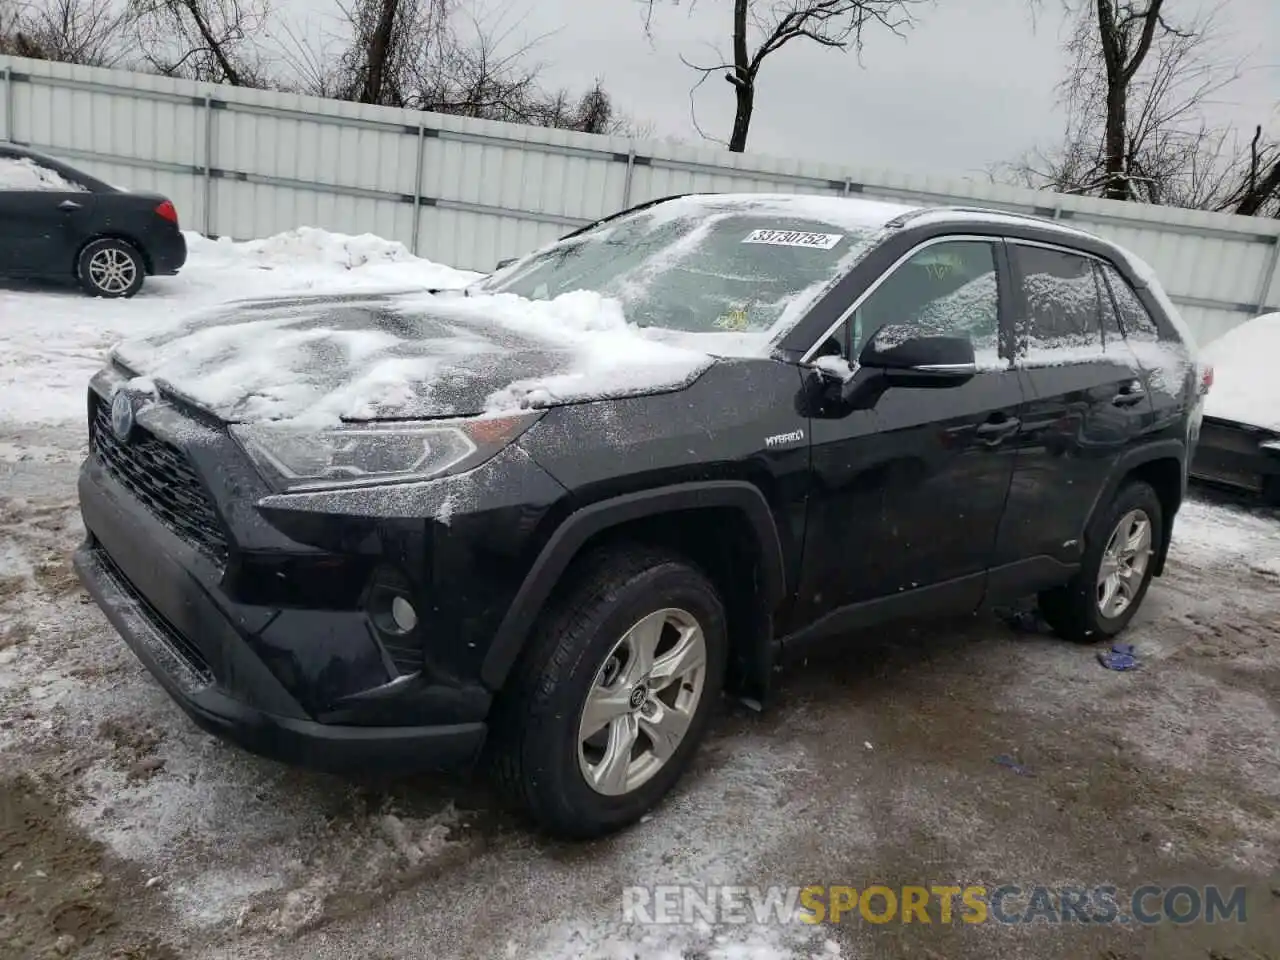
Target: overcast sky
<point>971,85</point>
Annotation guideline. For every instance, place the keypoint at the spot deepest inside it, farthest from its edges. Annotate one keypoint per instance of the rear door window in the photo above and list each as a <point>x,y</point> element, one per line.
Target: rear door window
<point>1064,318</point>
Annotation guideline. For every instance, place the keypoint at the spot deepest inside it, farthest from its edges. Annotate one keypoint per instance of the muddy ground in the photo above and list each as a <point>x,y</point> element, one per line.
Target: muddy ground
<point>127,833</point>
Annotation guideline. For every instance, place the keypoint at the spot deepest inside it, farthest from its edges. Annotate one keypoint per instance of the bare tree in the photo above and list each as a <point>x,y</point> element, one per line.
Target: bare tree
<point>212,40</point>
<point>761,28</point>
<point>416,54</point>
<point>388,38</point>
<point>1253,183</point>
<point>1136,97</point>
<point>91,32</point>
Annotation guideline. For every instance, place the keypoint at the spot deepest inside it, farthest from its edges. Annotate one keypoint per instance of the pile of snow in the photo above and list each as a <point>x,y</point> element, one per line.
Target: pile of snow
<point>1245,385</point>
<point>56,337</point>
<point>310,245</point>
<point>23,173</point>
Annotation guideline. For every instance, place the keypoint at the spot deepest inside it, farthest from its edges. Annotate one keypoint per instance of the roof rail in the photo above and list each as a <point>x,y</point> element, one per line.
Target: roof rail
<point>903,219</point>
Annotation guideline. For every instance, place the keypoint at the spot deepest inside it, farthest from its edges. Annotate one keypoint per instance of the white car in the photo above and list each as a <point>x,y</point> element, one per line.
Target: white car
<point>1240,437</point>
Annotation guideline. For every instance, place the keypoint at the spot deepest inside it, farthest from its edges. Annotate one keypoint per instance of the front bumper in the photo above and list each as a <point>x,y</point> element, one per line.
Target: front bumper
<point>155,590</point>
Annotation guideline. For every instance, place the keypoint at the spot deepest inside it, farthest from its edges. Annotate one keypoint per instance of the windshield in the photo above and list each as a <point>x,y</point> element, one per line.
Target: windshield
<point>698,266</point>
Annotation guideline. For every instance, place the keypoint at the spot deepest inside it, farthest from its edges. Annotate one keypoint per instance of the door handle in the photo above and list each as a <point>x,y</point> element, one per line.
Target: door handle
<point>1131,393</point>
<point>70,205</point>
<point>993,431</point>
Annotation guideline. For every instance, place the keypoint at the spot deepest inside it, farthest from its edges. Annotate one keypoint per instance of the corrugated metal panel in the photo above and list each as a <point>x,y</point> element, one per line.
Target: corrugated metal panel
<point>471,192</point>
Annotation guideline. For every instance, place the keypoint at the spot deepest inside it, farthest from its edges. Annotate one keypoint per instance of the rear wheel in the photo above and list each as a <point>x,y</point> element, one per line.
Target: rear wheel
<point>110,268</point>
<point>1121,546</point>
<point>611,699</point>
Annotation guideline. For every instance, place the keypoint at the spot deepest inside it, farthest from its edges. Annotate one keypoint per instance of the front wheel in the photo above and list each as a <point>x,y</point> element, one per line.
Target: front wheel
<point>110,268</point>
<point>1121,547</point>
<point>608,705</point>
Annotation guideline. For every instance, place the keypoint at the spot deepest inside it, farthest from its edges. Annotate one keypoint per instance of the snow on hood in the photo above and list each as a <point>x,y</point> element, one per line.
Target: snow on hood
<point>1246,387</point>
<point>318,360</point>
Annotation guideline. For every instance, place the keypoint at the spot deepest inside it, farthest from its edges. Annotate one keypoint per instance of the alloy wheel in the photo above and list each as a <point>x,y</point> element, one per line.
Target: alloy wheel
<point>642,701</point>
<point>1124,563</point>
<point>112,270</point>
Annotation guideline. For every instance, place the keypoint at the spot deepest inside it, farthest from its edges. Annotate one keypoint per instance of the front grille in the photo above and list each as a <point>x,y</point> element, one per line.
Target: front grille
<point>158,474</point>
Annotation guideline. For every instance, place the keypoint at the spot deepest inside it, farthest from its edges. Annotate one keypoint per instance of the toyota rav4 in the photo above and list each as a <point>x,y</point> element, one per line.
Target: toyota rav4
<point>545,522</point>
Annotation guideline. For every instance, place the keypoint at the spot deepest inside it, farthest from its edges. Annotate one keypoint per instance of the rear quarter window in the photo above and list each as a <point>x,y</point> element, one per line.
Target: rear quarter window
<point>1137,322</point>
<point>26,175</point>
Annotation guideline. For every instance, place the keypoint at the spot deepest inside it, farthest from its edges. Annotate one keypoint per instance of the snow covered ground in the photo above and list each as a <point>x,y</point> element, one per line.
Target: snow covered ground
<point>124,828</point>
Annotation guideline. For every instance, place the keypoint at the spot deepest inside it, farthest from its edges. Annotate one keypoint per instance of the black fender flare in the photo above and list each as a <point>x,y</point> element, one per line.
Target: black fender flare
<point>1130,460</point>
<point>568,539</point>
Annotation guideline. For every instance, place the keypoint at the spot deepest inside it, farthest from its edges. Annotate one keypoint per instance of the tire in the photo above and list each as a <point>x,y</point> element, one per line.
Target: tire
<point>110,268</point>
<point>537,754</point>
<point>1076,611</point>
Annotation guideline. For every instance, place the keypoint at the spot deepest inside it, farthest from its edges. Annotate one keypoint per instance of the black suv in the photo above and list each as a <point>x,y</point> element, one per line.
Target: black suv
<point>418,529</point>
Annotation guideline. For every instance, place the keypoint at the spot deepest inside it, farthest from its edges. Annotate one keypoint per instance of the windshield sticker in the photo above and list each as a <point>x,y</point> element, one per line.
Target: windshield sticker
<point>794,238</point>
<point>736,320</point>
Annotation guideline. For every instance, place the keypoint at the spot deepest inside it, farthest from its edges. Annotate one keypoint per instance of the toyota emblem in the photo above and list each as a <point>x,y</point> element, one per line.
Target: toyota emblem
<point>122,416</point>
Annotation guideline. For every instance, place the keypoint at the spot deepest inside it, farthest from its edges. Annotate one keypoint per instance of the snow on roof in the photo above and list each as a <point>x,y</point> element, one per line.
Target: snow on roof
<point>1245,387</point>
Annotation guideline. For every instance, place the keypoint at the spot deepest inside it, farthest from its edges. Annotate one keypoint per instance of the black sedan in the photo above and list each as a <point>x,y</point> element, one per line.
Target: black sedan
<point>58,222</point>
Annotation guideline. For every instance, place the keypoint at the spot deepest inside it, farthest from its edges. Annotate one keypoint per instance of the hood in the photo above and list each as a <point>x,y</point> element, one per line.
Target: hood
<point>402,355</point>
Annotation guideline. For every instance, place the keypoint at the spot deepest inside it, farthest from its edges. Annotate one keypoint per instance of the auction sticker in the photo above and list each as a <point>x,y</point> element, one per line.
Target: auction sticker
<point>794,238</point>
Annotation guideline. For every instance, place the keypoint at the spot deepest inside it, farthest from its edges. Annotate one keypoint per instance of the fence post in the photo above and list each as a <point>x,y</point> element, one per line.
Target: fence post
<point>1270,274</point>
<point>208,165</point>
<point>8,103</point>
<point>417,189</point>
<point>631,167</point>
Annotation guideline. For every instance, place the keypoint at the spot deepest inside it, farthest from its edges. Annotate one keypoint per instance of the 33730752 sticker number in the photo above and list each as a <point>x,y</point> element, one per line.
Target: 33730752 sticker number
<point>794,238</point>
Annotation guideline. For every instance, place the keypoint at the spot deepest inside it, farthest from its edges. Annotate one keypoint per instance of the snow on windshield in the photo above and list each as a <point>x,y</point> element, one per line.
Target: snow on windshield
<point>710,263</point>
<point>1245,386</point>
<point>23,173</point>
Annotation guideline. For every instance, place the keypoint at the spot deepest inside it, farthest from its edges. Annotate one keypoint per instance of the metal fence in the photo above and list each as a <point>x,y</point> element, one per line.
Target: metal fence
<point>250,163</point>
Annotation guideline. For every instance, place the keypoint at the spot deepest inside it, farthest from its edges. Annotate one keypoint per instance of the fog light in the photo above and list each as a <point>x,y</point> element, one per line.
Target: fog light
<point>403,615</point>
<point>390,603</point>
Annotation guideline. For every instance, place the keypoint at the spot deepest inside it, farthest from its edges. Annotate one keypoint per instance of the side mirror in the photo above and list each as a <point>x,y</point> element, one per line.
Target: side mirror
<point>506,263</point>
<point>909,358</point>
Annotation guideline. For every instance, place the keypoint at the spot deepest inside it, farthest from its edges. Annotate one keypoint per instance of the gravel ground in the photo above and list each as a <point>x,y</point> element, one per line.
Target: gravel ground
<point>127,833</point>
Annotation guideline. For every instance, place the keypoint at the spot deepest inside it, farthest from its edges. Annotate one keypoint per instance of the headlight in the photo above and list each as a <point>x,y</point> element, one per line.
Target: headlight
<point>365,454</point>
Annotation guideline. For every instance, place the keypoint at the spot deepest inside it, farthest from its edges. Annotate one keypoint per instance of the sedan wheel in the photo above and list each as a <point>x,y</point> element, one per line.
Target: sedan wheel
<point>110,268</point>
<point>642,703</point>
